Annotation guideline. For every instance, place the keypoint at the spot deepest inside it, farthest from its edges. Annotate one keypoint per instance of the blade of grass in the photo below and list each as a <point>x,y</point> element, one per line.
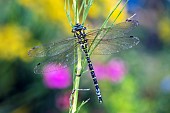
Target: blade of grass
<point>110,14</point>
<point>106,20</point>
<point>86,10</point>
<point>110,26</point>
<point>81,7</point>
<point>83,103</point>
<point>120,12</point>
<point>67,11</point>
<point>76,12</point>
<point>103,25</point>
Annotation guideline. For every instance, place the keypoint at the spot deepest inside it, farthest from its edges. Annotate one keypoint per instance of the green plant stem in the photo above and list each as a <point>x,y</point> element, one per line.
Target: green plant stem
<point>86,9</point>
<point>76,12</point>
<point>79,66</point>
<point>67,10</point>
<point>77,81</point>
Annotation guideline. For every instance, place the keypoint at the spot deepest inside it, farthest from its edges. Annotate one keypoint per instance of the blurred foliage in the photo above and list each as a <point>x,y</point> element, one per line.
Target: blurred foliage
<point>26,23</point>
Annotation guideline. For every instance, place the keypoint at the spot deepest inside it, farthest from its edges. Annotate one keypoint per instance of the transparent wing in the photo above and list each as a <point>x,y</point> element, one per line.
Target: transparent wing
<point>118,30</point>
<point>51,49</point>
<point>57,62</point>
<point>114,39</point>
<point>113,45</point>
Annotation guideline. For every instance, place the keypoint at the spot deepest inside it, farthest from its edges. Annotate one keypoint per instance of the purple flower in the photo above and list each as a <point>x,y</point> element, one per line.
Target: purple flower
<point>100,71</point>
<point>56,79</point>
<point>116,69</point>
<point>62,101</point>
<point>113,71</point>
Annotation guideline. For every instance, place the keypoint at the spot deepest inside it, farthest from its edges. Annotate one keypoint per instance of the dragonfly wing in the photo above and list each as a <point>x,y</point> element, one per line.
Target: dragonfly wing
<point>57,62</point>
<point>122,29</point>
<point>51,49</point>
<point>113,45</point>
<point>118,30</point>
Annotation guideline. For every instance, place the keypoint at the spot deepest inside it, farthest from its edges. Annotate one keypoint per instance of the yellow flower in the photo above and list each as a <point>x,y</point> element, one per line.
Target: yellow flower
<point>53,10</point>
<point>102,8</point>
<point>13,42</point>
<point>50,10</point>
<point>164,29</point>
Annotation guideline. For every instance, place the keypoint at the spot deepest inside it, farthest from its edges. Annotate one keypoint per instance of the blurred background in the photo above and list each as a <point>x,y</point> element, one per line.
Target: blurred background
<point>132,81</point>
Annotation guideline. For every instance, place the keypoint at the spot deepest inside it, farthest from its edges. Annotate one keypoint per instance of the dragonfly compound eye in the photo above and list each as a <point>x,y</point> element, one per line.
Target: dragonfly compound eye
<point>73,31</point>
<point>84,28</point>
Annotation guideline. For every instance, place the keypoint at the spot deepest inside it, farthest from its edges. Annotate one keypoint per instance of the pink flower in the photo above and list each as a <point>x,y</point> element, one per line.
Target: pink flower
<point>113,71</point>
<point>62,101</point>
<point>100,71</point>
<point>56,79</point>
<point>116,69</point>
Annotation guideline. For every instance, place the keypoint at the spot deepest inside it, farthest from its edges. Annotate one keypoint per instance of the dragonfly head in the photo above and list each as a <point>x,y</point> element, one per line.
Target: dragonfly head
<point>78,27</point>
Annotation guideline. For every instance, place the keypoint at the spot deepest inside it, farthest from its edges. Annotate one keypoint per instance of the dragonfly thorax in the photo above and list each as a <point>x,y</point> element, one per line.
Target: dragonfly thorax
<point>78,27</point>
<point>79,31</point>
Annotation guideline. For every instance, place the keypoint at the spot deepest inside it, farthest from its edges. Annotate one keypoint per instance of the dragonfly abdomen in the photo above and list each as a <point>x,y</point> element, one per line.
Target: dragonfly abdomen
<point>93,75</point>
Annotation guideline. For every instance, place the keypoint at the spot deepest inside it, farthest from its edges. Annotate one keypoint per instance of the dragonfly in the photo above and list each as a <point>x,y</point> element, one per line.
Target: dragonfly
<point>62,53</point>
